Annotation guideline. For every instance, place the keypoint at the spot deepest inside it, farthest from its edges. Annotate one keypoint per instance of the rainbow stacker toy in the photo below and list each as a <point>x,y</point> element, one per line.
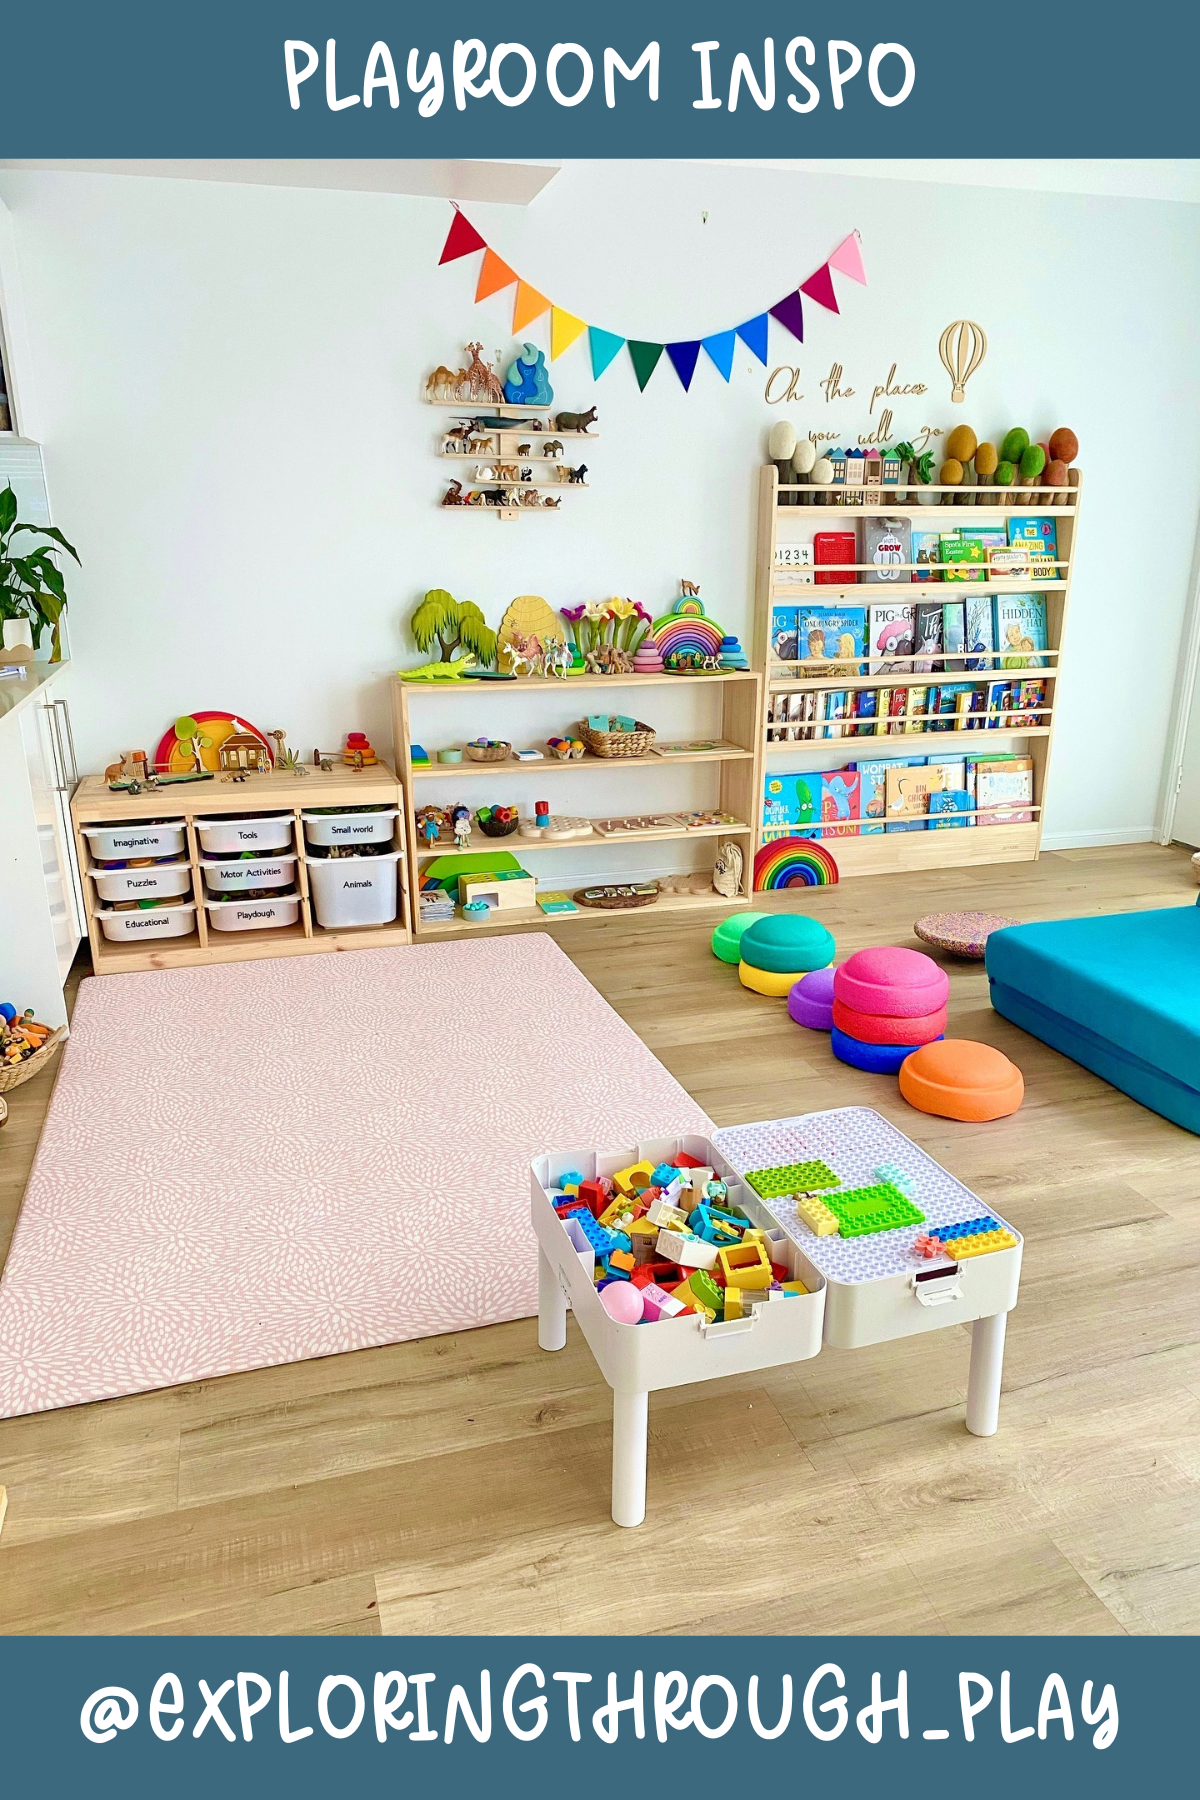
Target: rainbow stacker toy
<point>686,1258</point>
<point>793,862</point>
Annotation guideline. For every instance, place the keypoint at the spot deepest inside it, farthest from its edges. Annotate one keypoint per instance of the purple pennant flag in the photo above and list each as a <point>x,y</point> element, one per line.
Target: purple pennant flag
<point>684,356</point>
<point>790,312</point>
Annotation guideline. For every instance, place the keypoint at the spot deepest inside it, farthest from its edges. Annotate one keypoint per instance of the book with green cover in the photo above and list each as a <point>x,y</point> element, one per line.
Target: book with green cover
<point>965,551</point>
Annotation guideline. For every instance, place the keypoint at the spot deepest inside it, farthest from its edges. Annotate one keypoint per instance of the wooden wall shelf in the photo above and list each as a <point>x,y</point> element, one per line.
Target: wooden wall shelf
<point>95,804</point>
<point>781,520</point>
<point>738,784</point>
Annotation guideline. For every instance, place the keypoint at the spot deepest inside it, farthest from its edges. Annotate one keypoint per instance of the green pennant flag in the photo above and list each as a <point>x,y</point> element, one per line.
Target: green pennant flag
<point>645,360</point>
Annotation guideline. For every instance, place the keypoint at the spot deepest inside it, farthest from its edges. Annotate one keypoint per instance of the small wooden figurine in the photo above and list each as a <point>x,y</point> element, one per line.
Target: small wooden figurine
<point>484,383</point>
<point>453,495</point>
<point>552,447</point>
<point>444,383</point>
<point>691,588</point>
<point>286,761</point>
<point>570,421</point>
<point>575,476</point>
<point>524,449</point>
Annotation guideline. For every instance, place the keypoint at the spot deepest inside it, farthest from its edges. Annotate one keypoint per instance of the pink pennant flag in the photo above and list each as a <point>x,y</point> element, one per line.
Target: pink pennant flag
<point>819,287</point>
<point>848,258</point>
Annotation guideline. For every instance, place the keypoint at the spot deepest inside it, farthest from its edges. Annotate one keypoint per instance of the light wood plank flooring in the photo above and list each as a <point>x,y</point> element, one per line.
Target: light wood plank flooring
<point>461,1484</point>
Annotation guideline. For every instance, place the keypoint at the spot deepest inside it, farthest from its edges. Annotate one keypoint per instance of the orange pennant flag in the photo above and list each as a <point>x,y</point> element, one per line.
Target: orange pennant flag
<point>494,275</point>
<point>564,329</point>
<point>530,305</point>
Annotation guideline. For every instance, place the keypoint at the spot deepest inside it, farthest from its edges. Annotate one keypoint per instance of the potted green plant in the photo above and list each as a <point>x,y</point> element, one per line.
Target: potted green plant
<point>31,585</point>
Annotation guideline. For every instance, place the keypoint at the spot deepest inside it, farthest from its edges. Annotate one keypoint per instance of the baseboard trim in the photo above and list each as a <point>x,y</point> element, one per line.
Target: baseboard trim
<point>1086,840</point>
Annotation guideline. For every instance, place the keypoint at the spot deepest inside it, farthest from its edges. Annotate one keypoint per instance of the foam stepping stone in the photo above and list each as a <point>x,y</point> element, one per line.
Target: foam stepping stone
<point>727,938</point>
<point>876,1059</point>
<point>961,933</point>
<point>777,984</point>
<point>810,1000</point>
<point>958,1079</point>
<point>788,942</point>
<point>893,982</point>
<point>878,1028</point>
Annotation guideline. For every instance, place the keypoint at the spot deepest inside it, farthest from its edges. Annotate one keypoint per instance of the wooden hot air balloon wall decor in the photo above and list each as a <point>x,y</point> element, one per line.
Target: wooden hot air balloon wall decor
<point>962,347</point>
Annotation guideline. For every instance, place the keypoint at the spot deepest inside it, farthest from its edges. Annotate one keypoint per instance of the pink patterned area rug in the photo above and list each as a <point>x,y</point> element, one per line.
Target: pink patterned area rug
<point>269,1161</point>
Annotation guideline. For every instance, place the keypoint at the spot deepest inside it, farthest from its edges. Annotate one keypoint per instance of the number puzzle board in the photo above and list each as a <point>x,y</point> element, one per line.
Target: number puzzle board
<point>855,1141</point>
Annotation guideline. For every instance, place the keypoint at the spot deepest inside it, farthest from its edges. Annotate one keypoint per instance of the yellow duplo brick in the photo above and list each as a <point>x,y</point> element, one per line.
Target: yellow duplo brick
<point>979,1245</point>
<point>816,1215</point>
<point>636,1175</point>
<point>733,1303</point>
<point>794,1287</point>
<point>754,1234</point>
<point>616,1210</point>
<point>746,1266</point>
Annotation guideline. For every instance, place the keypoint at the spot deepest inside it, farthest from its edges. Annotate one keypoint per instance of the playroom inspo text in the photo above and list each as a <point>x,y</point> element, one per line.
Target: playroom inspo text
<point>396,1706</point>
<point>723,77</point>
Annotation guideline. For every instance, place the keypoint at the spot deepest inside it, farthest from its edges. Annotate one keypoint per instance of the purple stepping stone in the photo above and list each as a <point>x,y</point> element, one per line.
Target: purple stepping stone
<point>810,1000</point>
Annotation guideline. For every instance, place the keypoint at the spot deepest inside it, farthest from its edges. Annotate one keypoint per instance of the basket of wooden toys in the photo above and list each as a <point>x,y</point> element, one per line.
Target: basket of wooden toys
<point>485,750</point>
<point>612,734</point>
<point>497,821</point>
<point>25,1046</point>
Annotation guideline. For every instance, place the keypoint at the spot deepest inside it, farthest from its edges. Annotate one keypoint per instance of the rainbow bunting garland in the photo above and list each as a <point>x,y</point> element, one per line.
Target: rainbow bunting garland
<point>793,862</point>
<point>684,354</point>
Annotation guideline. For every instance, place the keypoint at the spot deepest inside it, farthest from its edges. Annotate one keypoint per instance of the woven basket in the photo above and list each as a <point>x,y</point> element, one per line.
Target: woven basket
<point>14,1074</point>
<point>493,753</point>
<point>617,743</point>
<point>496,828</point>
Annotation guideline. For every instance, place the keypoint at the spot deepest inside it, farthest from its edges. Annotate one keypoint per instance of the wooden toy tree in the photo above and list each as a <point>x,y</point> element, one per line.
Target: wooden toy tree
<point>454,626</point>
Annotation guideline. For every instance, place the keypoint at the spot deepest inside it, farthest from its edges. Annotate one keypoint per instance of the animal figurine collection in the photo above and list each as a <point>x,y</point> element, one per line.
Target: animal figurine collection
<point>504,475</point>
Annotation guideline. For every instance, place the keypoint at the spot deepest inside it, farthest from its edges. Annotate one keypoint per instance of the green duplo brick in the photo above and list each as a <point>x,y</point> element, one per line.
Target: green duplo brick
<point>792,1178</point>
<point>862,1211</point>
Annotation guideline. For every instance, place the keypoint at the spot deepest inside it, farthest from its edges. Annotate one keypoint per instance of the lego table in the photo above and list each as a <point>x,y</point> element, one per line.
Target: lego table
<point>864,1289</point>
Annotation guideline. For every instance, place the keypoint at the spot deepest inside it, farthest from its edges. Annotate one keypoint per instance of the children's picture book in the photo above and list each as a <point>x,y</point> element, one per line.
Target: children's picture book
<point>954,633</point>
<point>866,702</point>
<point>1004,791</point>
<point>968,555</point>
<point>872,789</point>
<point>991,537</point>
<point>953,769</point>
<point>1008,565</point>
<point>947,703</point>
<point>796,562</point>
<point>897,707</point>
<point>929,636</point>
<point>783,634</point>
<point>791,806</point>
<point>839,803</point>
<point>1040,536</point>
<point>837,705</point>
<point>833,636</point>
<point>891,632</point>
<point>886,545</point>
<point>1020,630</point>
<point>926,548</point>
<point>980,631</point>
<point>915,707</point>
<point>908,791</point>
<point>947,810</point>
<point>883,710</point>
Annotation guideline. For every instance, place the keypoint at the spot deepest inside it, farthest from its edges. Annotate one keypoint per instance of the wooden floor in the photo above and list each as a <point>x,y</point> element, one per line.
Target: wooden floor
<point>461,1484</point>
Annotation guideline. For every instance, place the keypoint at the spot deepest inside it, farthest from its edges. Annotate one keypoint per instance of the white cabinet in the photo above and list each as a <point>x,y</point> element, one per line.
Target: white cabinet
<point>41,904</point>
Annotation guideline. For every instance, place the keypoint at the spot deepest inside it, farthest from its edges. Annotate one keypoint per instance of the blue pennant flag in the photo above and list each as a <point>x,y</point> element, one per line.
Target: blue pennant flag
<point>720,349</point>
<point>604,346</point>
<point>754,334</point>
<point>684,356</point>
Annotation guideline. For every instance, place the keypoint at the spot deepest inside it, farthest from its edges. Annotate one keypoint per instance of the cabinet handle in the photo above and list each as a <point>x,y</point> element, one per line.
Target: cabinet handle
<point>56,756</point>
<point>66,713</point>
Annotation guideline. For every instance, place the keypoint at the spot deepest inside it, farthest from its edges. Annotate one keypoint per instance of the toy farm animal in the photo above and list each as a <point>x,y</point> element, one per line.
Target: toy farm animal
<point>479,446</point>
<point>574,421</point>
<point>483,382</point>
<point>453,495</point>
<point>552,447</point>
<point>507,472</point>
<point>575,476</point>
<point>524,449</point>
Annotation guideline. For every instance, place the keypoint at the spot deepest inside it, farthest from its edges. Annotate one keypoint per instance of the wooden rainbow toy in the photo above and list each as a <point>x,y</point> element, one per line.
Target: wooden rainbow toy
<point>793,862</point>
<point>687,627</point>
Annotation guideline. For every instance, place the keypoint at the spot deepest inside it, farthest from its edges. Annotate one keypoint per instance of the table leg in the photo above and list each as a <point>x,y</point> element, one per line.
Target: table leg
<point>983,1382</point>
<point>630,1415</point>
<point>552,1306</point>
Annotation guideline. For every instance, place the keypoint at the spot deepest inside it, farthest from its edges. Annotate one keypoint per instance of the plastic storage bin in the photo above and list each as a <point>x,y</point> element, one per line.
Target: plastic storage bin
<point>253,915</point>
<point>259,872</point>
<point>351,827</point>
<point>354,890</point>
<point>225,837</point>
<point>155,922</point>
<point>113,843</point>
<point>143,884</point>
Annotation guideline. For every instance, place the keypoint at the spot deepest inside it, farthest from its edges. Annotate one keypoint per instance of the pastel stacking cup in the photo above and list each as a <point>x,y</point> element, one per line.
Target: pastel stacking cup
<point>776,951</point>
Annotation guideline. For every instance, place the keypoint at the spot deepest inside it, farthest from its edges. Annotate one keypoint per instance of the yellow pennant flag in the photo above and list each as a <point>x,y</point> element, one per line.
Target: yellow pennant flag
<point>564,329</point>
<point>530,305</point>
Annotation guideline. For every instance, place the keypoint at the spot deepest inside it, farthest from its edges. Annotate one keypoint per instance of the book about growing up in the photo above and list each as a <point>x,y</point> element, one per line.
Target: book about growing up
<point>837,705</point>
<point>886,546</point>
<point>1039,536</point>
<point>1020,630</point>
<point>832,637</point>
<point>891,632</point>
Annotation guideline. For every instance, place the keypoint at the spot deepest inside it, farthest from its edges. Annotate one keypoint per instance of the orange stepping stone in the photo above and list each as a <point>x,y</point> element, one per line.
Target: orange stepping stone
<point>958,1079</point>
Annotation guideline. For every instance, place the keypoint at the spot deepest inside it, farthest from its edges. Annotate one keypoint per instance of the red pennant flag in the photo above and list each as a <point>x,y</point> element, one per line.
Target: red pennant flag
<point>461,239</point>
<point>819,287</point>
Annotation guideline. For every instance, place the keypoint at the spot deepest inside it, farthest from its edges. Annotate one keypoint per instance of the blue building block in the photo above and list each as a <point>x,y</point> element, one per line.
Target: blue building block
<point>969,1228</point>
<point>707,1222</point>
<point>602,1240</point>
<point>664,1175</point>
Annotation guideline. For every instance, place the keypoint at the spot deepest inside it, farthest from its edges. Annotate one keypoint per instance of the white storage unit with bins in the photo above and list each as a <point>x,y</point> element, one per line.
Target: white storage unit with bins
<point>213,871</point>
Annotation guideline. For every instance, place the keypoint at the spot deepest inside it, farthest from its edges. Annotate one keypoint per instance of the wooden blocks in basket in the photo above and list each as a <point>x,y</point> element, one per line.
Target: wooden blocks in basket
<point>484,750</point>
<point>619,742</point>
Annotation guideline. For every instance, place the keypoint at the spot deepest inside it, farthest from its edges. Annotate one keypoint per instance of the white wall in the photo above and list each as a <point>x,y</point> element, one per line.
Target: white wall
<point>229,384</point>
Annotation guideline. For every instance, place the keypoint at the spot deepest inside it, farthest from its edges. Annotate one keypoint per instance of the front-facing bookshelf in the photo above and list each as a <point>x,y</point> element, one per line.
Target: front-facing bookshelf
<point>923,638</point>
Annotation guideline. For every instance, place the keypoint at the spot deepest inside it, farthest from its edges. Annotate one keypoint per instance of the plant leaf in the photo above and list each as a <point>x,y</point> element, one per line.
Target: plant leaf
<point>49,605</point>
<point>50,531</point>
<point>8,509</point>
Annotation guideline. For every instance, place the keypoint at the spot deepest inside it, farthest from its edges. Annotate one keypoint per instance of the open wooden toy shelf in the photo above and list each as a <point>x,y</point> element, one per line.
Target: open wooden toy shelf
<point>268,792</point>
<point>739,785</point>
<point>785,514</point>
